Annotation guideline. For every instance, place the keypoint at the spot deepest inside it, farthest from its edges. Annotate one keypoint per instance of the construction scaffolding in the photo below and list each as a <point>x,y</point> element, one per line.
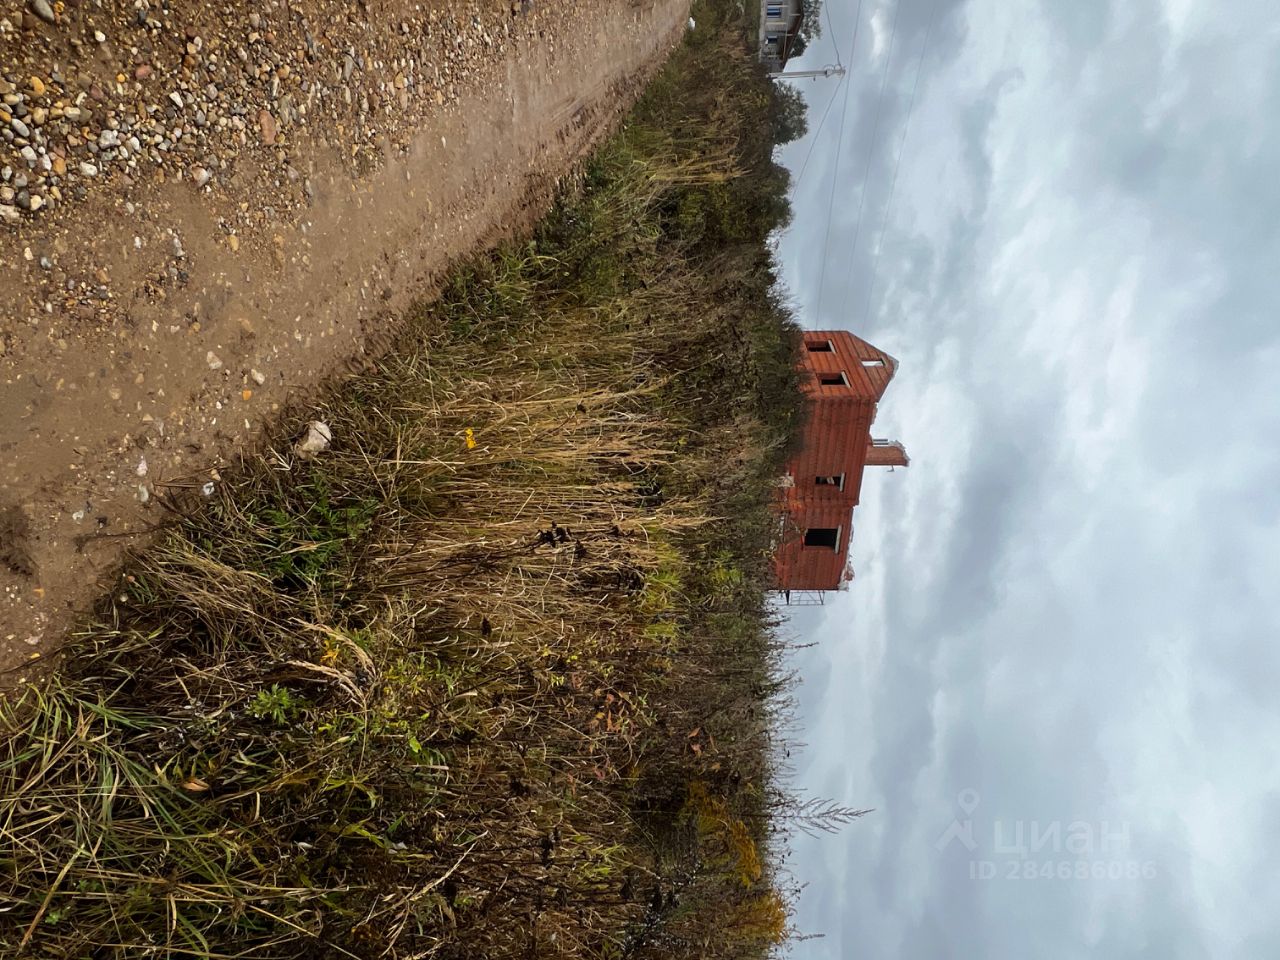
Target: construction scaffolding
<point>804,598</point>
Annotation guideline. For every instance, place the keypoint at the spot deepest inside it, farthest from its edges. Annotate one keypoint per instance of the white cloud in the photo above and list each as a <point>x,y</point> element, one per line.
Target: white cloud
<point>879,33</point>
<point>1066,601</point>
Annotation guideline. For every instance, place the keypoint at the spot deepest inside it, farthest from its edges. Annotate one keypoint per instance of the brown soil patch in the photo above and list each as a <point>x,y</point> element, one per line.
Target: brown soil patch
<point>15,543</point>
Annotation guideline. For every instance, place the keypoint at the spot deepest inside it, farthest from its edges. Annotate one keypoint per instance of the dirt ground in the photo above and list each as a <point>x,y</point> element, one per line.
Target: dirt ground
<point>228,208</point>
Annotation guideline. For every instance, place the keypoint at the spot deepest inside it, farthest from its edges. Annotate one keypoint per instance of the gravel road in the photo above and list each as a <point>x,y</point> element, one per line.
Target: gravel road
<point>207,210</point>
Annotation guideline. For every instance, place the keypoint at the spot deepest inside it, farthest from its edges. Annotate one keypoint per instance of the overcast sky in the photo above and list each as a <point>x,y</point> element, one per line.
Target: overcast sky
<point>1065,610</point>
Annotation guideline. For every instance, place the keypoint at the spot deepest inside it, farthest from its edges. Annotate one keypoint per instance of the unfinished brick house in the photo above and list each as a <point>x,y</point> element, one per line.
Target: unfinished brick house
<point>844,378</point>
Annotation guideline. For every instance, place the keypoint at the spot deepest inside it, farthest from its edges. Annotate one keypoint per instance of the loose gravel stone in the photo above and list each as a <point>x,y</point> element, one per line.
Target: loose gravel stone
<point>274,75</point>
<point>268,125</point>
<point>42,10</point>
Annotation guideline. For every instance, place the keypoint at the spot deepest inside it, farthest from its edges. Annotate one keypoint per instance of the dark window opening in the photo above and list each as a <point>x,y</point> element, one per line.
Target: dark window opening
<point>833,379</point>
<point>822,347</point>
<point>834,480</point>
<point>822,537</point>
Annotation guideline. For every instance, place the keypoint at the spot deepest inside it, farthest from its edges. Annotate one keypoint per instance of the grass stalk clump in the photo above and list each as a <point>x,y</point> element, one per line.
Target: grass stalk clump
<point>492,676</point>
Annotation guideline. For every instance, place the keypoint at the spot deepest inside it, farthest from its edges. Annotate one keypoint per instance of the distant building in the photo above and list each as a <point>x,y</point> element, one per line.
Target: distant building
<point>779,26</point>
<point>844,378</point>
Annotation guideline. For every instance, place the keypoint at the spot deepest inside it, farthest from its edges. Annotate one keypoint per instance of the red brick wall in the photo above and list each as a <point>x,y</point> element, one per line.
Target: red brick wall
<point>851,356</point>
<point>887,455</point>
<point>835,441</point>
<point>813,568</point>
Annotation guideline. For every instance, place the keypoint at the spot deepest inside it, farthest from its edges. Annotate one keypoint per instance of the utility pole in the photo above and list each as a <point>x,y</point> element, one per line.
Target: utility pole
<point>827,71</point>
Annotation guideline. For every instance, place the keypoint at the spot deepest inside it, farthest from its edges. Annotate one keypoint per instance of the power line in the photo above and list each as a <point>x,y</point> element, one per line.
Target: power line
<point>875,130</point>
<point>835,170</point>
<point>831,201</point>
<point>827,10</point>
<point>813,141</point>
<point>893,184</point>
